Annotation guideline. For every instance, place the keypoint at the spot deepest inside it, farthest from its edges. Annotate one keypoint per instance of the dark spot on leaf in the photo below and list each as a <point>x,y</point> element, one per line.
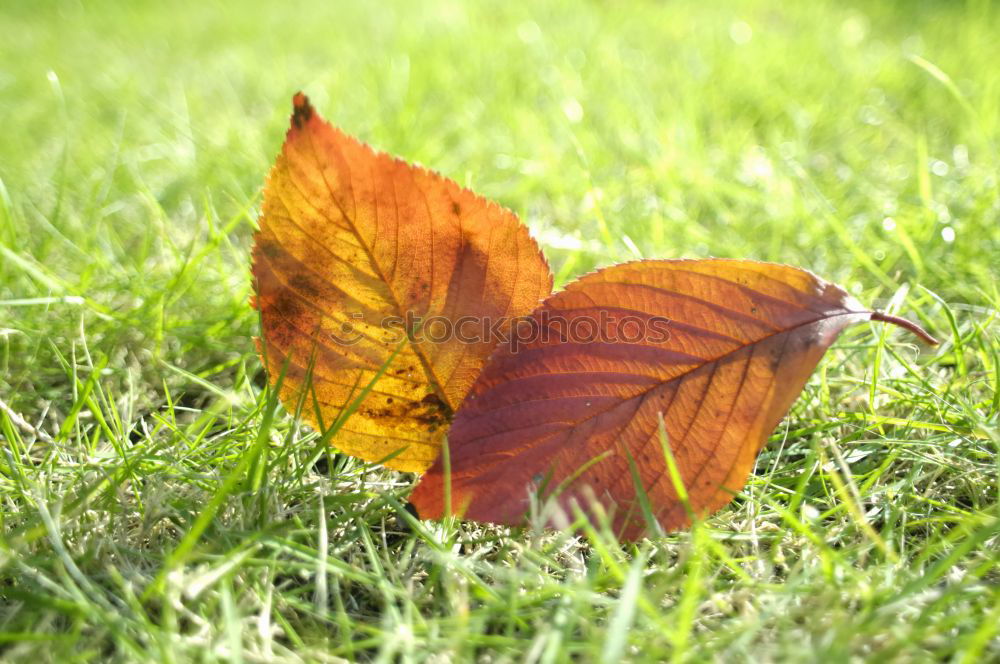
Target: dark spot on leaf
<point>775,359</point>
<point>270,249</point>
<point>432,399</point>
<point>285,305</point>
<point>432,411</point>
<point>303,110</point>
<point>302,283</point>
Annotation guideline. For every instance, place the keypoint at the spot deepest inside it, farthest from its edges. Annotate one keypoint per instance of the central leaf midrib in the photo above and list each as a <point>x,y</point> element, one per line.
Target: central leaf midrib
<point>643,394</point>
<point>394,301</point>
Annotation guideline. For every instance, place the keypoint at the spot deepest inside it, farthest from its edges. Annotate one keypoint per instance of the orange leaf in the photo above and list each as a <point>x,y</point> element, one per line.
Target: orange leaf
<point>357,253</point>
<point>725,348</point>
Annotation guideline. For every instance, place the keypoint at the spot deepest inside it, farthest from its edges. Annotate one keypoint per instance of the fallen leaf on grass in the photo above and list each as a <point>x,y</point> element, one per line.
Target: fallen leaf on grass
<point>357,253</point>
<point>720,348</point>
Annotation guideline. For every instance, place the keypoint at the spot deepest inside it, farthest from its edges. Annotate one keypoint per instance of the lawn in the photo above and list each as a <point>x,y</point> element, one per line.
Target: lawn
<point>156,506</point>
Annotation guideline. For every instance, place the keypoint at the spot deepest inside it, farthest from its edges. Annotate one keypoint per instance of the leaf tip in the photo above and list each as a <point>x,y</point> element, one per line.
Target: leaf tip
<point>302,110</point>
<point>906,325</point>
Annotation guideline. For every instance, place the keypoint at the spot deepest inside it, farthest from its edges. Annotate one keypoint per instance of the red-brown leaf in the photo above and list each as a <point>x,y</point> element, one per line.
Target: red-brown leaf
<point>743,339</point>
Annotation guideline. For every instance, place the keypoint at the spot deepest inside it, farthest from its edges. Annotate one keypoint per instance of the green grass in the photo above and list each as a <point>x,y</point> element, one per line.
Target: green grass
<point>154,506</point>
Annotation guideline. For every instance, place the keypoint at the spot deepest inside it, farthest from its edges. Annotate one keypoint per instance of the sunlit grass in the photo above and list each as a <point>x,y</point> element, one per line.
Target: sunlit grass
<point>151,508</point>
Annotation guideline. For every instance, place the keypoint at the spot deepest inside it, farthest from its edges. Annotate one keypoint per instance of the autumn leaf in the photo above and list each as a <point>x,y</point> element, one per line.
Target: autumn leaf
<point>357,253</point>
<point>720,348</point>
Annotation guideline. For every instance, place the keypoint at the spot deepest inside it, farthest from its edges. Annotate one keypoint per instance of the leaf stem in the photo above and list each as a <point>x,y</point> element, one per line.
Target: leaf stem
<point>906,325</point>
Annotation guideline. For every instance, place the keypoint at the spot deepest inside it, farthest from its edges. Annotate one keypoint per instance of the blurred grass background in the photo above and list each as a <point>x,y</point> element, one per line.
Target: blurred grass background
<point>858,140</point>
